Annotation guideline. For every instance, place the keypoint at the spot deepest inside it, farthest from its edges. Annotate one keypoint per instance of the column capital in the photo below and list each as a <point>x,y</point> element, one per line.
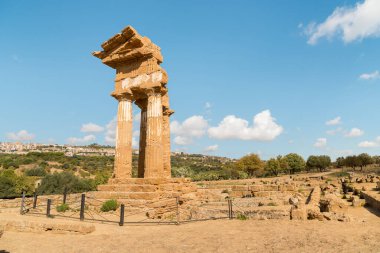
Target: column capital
<point>154,92</point>
<point>123,96</point>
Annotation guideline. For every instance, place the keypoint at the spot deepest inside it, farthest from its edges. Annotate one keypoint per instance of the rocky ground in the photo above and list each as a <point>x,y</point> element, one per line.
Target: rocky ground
<point>278,213</point>
<point>359,235</point>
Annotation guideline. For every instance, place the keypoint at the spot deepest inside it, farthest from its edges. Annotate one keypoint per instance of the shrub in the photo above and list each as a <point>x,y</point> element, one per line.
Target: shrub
<point>36,172</point>
<point>12,185</point>
<point>241,216</point>
<point>272,204</point>
<point>339,174</point>
<point>57,182</point>
<point>62,208</point>
<point>109,205</point>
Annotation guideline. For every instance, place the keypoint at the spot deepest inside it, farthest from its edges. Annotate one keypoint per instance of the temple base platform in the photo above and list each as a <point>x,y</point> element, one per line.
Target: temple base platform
<point>158,197</point>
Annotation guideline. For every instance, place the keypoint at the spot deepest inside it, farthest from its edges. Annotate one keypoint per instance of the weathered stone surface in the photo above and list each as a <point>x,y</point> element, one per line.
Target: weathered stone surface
<point>356,202</point>
<point>331,203</point>
<point>298,213</point>
<point>140,79</point>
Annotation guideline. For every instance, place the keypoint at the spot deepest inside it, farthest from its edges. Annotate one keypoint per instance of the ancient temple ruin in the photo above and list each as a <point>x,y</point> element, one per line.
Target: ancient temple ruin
<point>141,80</point>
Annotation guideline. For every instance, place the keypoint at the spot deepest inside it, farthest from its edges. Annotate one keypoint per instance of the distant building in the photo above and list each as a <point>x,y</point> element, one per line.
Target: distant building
<point>21,148</point>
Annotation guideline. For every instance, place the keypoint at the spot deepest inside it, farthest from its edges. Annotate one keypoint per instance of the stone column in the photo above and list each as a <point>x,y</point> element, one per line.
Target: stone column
<point>123,154</point>
<point>167,170</point>
<point>142,145</point>
<point>154,148</point>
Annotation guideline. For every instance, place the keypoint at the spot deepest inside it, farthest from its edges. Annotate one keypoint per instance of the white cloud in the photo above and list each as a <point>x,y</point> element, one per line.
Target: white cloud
<point>110,134</point>
<point>211,148</point>
<point>334,131</point>
<point>182,140</point>
<point>84,140</point>
<point>370,144</point>
<point>22,135</point>
<point>264,128</point>
<point>135,143</point>
<point>193,127</point>
<point>354,132</point>
<point>320,143</point>
<point>91,128</point>
<point>334,122</point>
<point>352,23</point>
<point>370,76</point>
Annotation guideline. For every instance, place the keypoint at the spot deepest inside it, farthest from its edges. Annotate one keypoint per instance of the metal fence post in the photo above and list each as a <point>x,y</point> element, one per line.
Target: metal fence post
<point>121,223</point>
<point>230,214</point>
<point>82,206</point>
<point>177,213</point>
<point>229,208</point>
<point>34,200</point>
<point>64,195</point>
<point>22,203</point>
<point>48,207</point>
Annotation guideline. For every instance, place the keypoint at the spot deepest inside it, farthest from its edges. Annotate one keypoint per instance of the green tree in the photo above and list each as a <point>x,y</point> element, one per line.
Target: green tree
<point>295,163</point>
<point>57,182</point>
<point>275,166</point>
<point>251,164</point>
<point>364,160</point>
<point>318,162</point>
<point>339,163</point>
<point>352,161</point>
<point>36,172</point>
<point>376,159</point>
<point>12,185</point>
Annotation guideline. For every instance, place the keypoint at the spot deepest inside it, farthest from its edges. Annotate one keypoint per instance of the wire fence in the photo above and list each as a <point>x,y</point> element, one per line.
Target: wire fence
<point>85,207</point>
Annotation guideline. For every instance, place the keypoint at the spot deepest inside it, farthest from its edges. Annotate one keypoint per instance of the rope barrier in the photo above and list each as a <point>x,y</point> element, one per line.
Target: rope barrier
<point>171,206</point>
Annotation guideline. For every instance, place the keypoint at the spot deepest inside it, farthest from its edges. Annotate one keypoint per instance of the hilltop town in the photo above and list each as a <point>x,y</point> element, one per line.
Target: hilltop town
<point>69,150</point>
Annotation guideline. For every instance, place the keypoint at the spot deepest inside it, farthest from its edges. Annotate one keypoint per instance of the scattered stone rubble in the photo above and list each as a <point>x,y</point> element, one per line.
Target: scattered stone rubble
<point>295,198</point>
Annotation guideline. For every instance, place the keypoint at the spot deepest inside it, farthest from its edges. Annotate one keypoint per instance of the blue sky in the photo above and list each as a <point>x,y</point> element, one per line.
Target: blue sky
<point>292,65</point>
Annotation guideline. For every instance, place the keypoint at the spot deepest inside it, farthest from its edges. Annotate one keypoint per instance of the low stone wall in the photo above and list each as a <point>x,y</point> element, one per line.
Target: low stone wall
<point>372,199</point>
<point>42,226</point>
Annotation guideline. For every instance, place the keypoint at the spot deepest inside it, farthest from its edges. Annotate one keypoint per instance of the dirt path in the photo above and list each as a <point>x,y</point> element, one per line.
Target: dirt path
<point>360,235</point>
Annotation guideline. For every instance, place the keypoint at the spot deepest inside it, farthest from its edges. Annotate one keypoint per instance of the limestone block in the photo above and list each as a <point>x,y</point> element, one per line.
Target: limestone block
<point>262,194</point>
<point>240,188</point>
<point>286,187</point>
<point>256,188</point>
<point>268,187</point>
<point>314,213</point>
<point>298,213</point>
<point>356,202</point>
<point>331,203</point>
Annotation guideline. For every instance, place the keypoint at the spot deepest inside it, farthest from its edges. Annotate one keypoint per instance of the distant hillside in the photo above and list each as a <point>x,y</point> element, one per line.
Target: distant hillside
<point>183,165</point>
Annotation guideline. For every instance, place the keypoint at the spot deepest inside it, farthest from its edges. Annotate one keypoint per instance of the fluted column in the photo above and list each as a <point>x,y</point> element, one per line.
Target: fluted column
<point>123,155</point>
<point>142,144</point>
<point>154,147</point>
<point>167,168</point>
